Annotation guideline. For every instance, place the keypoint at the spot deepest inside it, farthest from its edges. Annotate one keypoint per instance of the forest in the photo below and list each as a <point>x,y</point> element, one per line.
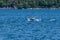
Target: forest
<point>24,4</point>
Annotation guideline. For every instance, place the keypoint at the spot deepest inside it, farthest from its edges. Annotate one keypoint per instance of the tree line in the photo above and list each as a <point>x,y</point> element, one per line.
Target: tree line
<point>20,4</point>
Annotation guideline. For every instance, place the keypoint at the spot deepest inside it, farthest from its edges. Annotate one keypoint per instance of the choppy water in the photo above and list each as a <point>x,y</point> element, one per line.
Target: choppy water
<point>14,25</point>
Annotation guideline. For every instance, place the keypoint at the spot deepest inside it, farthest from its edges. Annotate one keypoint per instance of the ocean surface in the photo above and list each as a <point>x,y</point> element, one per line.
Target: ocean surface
<point>15,26</point>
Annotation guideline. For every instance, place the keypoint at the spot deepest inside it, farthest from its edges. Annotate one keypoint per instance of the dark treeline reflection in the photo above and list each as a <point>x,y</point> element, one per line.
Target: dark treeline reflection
<point>20,4</point>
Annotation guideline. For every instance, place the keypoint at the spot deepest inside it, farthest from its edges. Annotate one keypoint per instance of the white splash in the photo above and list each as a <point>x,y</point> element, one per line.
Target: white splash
<point>52,20</point>
<point>38,19</point>
<point>33,19</point>
<point>28,19</point>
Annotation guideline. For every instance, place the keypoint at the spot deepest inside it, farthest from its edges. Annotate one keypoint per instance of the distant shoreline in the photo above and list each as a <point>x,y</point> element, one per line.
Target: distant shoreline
<point>30,8</point>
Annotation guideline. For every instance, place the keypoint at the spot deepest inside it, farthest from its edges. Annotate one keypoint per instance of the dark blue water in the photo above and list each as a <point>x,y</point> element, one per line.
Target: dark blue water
<point>14,24</point>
